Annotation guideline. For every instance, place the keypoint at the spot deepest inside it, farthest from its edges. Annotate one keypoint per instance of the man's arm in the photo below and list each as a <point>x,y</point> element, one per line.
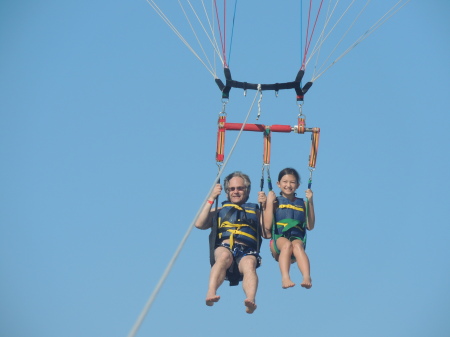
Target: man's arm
<point>204,220</point>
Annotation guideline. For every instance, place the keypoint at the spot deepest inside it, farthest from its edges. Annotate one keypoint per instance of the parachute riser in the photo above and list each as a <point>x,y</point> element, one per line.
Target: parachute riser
<point>230,83</point>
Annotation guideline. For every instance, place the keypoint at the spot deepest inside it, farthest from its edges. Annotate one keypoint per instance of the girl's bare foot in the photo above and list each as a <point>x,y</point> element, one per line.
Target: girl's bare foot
<point>307,282</point>
<point>287,283</point>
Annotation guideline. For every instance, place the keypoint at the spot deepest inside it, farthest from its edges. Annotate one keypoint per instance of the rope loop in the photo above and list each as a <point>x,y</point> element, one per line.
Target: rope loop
<point>259,101</point>
<point>300,110</point>
<point>266,167</point>
<point>224,104</point>
<point>311,169</point>
<point>219,166</point>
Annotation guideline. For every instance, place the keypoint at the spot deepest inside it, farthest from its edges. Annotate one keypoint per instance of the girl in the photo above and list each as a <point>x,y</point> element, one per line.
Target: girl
<point>292,217</point>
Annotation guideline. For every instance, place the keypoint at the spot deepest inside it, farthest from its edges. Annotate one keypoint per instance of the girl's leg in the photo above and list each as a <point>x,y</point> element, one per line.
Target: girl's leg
<point>273,251</point>
<point>284,261</point>
<point>302,262</point>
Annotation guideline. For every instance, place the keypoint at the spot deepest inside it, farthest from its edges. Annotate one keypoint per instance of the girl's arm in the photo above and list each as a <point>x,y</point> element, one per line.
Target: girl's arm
<point>266,218</point>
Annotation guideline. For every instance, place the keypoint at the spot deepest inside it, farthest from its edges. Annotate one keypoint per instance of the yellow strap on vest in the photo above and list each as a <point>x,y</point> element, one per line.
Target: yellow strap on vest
<point>235,229</point>
<point>296,208</point>
<point>239,208</point>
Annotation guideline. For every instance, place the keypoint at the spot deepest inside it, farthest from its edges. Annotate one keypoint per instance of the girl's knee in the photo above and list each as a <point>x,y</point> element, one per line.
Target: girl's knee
<point>285,245</point>
<point>298,245</point>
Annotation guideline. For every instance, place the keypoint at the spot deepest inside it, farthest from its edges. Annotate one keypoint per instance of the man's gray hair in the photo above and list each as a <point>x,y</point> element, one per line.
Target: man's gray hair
<point>239,174</point>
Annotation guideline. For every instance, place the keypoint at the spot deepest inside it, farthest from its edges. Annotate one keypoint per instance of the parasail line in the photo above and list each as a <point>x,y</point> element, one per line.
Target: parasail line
<point>212,39</point>
<point>222,37</point>
<point>373,28</point>
<point>309,38</point>
<point>232,31</point>
<point>166,272</point>
<point>180,36</point>
<point>343,35</point>
<point>196,36</point>
<point>323,37</point>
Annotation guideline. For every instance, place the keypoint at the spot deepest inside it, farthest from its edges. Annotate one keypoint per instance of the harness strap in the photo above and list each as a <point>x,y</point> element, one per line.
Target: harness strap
<point>287,224</point>
<point>296,208</point>
<point>235,230</point>
<point>213,234</point>
<point>275,236</point>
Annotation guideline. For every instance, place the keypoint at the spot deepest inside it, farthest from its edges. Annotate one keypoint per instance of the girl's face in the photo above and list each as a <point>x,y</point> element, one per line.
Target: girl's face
<point>288,185</point>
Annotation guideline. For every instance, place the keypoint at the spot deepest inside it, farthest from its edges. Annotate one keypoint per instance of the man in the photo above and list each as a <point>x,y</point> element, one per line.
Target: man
<point>235,238</point>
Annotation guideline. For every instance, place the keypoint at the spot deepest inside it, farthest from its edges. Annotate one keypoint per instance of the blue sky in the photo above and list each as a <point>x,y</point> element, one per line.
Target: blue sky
<point>107,140</point>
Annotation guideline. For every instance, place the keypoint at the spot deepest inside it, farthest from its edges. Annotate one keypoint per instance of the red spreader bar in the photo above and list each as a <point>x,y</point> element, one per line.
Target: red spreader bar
<point>267,130</point>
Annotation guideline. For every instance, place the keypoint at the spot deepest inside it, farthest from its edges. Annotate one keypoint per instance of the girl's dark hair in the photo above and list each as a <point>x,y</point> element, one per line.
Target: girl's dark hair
<point>291,171</point>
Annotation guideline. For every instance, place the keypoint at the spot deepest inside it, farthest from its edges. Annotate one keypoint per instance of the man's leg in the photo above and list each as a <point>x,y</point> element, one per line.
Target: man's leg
<point>247,267</point>
<point>224,259</point>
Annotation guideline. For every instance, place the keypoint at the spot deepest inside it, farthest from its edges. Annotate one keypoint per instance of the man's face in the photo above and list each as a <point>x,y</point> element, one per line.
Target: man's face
<point>237,192</point>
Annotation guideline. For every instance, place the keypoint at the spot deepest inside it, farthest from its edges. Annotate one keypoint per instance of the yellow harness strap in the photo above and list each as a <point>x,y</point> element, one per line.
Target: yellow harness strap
<point>235,228</point>
<point>296,208</point>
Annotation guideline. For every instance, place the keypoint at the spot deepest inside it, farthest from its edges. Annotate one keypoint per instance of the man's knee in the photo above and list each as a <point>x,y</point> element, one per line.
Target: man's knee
<point>223,256</point>
<point>247,264</point>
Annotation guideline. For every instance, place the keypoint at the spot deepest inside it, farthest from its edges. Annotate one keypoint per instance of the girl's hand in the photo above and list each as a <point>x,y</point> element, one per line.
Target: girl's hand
<point>262,199</point>
<point>309,194</point>
<point>272,197</point>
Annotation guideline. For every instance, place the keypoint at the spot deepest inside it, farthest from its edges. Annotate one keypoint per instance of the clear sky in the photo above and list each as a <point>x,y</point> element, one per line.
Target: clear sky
<point>107,146</point>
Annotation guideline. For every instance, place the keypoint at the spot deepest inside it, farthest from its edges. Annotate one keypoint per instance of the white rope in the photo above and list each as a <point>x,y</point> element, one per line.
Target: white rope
<point>322,38</point>
<point>180,36</point>
<point>346,32</point>
<point>211,36</point>
<point>213,70</point>
<point>334,26</point>
<point>166,272</point>
<point>211,27</point>
<point>391,12</point>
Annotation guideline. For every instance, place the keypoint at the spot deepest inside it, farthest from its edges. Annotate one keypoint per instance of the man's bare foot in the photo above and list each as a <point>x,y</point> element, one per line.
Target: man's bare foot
<point>287,283</point>
<point>251,306</point>
<point>307,283</point>
<point>210,300</point>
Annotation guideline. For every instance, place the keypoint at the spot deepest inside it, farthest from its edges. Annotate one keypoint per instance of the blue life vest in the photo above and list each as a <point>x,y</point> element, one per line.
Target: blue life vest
<point>238,223</point>
<point>290,218</point>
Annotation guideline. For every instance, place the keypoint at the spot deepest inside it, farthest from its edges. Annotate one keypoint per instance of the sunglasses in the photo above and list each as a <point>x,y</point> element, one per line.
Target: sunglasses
<point>239,188</point>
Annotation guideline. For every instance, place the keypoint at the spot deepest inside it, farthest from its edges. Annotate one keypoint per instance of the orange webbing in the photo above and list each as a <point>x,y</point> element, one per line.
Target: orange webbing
<point>220,139</point>
<point>301,125</point>
<point>314,147</point>
<point>267,142</point>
